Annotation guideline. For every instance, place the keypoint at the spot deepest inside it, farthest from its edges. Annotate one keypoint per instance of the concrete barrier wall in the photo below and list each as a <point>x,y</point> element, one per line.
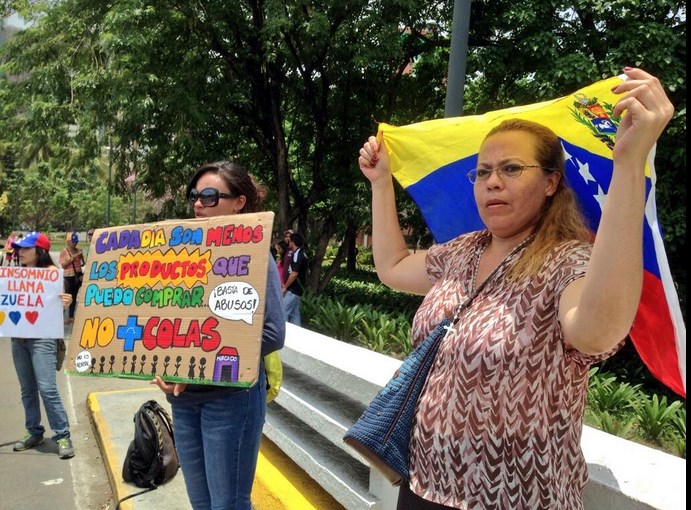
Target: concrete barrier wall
<point>327,384</point>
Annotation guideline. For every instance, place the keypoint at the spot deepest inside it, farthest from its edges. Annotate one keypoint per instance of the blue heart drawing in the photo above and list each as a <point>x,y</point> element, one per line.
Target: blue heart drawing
<point>15,316</point>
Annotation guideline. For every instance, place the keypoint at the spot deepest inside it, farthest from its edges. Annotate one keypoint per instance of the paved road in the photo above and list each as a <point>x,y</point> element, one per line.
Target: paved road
<point>38,479</point>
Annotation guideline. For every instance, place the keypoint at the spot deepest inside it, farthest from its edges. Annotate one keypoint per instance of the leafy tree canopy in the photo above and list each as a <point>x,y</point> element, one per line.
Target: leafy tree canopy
<point>292,89</point>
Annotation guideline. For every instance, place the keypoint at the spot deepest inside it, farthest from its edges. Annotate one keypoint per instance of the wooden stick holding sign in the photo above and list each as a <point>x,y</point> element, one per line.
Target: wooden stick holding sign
<point>180,299</point>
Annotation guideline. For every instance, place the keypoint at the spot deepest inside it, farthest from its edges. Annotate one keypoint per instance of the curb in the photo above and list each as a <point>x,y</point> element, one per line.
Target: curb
<point>112,460</point>
<point>280,484</point>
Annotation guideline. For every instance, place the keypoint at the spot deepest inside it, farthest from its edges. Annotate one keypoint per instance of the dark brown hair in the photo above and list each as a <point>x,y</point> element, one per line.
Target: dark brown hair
<point>238,180</point>
<point>43,258</point>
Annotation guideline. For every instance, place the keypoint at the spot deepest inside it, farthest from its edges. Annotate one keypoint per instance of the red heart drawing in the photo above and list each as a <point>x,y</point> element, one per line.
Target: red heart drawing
<point>32,317</point>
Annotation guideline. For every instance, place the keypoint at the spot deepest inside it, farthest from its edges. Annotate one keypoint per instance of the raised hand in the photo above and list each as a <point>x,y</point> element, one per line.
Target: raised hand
<point>646,110</point>
<point>374,160</point>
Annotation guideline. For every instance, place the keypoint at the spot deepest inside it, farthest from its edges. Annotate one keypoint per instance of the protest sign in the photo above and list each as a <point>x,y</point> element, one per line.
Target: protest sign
<point>180,299</point>
<point>30,304</point>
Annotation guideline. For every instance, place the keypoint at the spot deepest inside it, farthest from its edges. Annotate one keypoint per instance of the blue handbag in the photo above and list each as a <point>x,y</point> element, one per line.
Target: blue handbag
<point>382,434</point>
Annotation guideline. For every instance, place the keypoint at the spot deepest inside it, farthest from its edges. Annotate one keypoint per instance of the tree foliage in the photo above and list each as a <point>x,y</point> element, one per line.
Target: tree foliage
<point>292,88</point>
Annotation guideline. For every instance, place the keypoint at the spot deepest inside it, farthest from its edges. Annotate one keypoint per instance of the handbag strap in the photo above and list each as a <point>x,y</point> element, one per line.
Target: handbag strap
<point>149,489</point>
<point>465,304</point>
<point>77,272</point>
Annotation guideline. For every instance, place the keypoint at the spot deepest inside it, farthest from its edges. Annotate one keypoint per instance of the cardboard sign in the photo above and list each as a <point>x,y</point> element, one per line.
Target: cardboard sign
<point>180,299</point>
<point>30,304</point>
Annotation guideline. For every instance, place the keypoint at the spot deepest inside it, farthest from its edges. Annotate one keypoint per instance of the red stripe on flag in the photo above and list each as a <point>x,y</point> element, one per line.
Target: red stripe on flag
<point>653,335</point>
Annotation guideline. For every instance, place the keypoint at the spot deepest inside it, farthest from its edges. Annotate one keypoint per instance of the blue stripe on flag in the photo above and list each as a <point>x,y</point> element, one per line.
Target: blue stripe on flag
<point>445,198</point>
<point>581,165</point>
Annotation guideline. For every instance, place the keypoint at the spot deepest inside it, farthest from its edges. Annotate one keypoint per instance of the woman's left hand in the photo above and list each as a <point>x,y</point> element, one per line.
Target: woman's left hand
<point>168,388</point>
<point>647,111</point>
<point>66,300</point>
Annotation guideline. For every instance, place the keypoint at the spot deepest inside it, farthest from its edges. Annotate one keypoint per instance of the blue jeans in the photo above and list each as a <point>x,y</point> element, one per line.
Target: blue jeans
<point>34,361</point>
<point>291,302</point>
<point>218,445</point>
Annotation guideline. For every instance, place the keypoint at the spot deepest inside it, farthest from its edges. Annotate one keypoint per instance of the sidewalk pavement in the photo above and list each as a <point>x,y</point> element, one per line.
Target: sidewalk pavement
<point>279,484</point>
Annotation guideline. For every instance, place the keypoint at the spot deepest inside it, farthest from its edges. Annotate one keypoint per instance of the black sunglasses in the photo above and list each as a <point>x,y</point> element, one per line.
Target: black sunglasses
<point>208,197</point>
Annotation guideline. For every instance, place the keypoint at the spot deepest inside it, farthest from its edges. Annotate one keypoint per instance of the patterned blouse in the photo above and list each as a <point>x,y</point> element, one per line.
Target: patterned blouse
<point>499,423</point>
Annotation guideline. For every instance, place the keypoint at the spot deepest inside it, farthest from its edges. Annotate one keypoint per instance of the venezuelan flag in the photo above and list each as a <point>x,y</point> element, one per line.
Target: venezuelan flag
<point>430,160</point>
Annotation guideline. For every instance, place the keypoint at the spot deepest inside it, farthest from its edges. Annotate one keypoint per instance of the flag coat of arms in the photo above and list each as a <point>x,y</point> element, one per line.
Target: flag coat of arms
<point>431,159</point>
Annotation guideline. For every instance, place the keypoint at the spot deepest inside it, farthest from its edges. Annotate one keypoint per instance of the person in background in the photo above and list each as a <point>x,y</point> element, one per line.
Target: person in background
<point>15,251</point>
<point>294,286</point>
<point>218,428</point>
<point>282,262</point>
<point>288,254</point>
<point>35,363</point>
<point>535,302</point>
<point>72,261</point>
<point>89,237</point>
<point>8,256</point>
<point>286,235</point>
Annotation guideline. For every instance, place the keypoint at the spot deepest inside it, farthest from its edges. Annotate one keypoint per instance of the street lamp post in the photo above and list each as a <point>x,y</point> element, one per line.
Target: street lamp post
<point>134,168</point>
<point>110,170</point>
<point>457,58</point>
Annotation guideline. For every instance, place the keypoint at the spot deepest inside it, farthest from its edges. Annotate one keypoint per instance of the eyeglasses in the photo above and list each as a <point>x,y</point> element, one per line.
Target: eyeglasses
<point>208,197</point>
<point>509,170</point>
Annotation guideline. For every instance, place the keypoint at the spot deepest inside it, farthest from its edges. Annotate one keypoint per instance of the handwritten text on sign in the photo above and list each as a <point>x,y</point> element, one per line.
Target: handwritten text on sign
<point>30,304</point>
<point>163,300</point>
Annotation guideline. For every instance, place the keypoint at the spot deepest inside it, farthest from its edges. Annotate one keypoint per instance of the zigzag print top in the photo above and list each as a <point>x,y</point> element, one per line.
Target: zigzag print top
<point>499,423</point>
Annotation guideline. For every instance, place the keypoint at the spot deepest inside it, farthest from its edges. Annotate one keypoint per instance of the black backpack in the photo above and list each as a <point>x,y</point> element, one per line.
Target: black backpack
<point>151,458</point>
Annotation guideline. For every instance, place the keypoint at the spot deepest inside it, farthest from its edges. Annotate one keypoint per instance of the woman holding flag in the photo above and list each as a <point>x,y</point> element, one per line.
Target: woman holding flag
<point>535,301</point>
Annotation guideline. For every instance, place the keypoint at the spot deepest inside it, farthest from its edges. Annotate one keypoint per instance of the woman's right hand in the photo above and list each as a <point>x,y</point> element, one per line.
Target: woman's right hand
<point>174,388</point>
<point>66,300</point>
<point>374,160</point>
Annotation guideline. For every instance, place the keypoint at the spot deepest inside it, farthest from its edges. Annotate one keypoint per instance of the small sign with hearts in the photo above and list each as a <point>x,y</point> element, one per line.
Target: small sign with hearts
<point>30,304</point>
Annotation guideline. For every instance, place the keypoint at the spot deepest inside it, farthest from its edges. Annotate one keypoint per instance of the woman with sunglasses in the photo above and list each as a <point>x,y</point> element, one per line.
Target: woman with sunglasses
<point>218,429</point>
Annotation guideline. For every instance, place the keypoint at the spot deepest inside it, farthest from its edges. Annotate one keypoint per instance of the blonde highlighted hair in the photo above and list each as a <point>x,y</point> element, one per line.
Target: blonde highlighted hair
<point>561,219</point>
